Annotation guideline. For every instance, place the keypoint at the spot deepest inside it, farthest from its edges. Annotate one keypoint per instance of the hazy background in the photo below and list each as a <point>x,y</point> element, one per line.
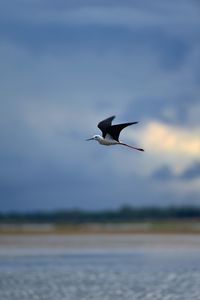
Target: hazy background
<point>66,65</point>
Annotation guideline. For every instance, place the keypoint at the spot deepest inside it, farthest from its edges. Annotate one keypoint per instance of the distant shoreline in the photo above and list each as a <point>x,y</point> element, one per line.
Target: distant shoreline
<point>154,227</point>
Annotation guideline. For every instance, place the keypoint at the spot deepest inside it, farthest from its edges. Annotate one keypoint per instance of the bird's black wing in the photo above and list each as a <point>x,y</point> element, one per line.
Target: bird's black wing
<point>105,125</point>
<point>115,130</point>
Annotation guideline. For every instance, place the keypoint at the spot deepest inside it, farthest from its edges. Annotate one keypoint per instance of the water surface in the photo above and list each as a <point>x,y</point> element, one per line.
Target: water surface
<point>99,267</point>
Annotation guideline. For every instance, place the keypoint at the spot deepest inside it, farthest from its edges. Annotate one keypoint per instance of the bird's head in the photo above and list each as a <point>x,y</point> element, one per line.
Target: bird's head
<point>96,137</point>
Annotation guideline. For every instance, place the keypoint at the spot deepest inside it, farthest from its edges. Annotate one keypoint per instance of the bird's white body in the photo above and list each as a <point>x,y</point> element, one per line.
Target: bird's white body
<point>107,141</point>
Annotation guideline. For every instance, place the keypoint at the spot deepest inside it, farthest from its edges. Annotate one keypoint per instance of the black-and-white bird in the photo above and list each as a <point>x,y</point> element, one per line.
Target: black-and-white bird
<point>110,133</point>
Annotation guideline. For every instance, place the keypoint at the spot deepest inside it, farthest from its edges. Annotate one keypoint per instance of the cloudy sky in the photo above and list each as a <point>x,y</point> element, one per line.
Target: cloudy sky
<point>66,65</point>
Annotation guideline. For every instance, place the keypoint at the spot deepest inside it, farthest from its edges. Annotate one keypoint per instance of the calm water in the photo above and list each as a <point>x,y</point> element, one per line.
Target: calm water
<point>139,270</point>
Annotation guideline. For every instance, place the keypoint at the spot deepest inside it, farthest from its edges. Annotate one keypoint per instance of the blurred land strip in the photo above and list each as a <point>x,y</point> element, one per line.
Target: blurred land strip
<point>157,227</point>
<point>182,220</point>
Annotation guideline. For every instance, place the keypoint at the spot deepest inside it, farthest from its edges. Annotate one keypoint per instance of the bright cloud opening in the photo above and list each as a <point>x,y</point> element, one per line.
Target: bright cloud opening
<point>171,139</point>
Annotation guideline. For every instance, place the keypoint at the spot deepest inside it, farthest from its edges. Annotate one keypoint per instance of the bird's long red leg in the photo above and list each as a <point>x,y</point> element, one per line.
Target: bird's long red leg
<point>135,148</point>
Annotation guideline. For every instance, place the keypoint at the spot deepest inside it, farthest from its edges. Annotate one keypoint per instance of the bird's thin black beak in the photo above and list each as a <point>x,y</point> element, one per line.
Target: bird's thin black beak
<point>89,139</point>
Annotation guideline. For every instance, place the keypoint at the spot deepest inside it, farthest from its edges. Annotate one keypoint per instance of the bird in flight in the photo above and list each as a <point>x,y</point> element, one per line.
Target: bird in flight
<point>110,133</point>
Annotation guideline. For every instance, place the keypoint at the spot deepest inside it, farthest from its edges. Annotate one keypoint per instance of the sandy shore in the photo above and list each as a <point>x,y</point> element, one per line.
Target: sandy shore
<point>48,238</point>
<point>160,227</point>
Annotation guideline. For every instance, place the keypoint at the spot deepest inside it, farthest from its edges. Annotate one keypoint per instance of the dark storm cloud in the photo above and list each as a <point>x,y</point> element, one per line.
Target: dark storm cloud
<point>42,23</point>
<point>170,50</point>
<point>192,172</point>
<point>159,108</point>
<point>165,173</point>
<point>79,190</point>
<point>45,183</point>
